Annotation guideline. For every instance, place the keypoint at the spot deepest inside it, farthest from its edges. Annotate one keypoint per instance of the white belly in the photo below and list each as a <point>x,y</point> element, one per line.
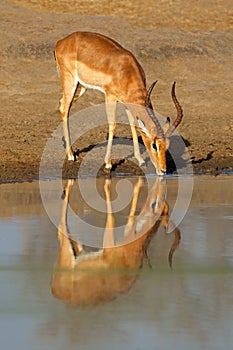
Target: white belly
<point>92,79</point>
<point>89,86</point>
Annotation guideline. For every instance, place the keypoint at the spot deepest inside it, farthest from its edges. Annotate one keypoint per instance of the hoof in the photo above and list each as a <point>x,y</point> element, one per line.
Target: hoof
<point>76,155</point>
<point>107,171</point>
<point>141,162</point>
<point>108,166</point>
<point>71,157</point>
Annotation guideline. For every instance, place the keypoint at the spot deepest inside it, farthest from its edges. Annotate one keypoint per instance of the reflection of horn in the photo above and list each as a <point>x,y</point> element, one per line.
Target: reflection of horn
<point>159,129</point>
<point>179,110</point>
<point>175,244</point>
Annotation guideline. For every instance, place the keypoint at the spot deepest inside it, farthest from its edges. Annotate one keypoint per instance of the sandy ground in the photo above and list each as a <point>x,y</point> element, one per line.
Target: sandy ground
<point>187,41</point>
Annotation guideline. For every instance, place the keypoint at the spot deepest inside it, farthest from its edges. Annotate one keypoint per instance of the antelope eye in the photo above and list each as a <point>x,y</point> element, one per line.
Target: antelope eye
<point>154,146</point>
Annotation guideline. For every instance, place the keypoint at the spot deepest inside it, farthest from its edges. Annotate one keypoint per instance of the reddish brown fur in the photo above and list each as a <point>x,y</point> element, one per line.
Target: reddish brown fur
<point>94,50</point>
<point>94,61</point>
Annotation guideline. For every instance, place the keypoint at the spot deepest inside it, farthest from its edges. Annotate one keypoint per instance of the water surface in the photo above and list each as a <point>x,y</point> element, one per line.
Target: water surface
<point>189,306</point>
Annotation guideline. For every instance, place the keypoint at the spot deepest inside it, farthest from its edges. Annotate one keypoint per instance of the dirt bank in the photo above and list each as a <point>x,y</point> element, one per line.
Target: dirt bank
<point>189,42</point>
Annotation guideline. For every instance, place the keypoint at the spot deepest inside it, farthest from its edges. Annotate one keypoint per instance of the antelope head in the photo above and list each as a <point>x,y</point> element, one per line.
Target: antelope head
<point>155,138</point>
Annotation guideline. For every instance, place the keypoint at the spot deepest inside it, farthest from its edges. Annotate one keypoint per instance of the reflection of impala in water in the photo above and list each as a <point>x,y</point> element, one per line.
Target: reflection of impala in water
<point>87,278</point>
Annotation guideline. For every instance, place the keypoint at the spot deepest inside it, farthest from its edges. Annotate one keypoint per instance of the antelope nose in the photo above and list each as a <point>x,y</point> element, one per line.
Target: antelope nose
<point>162,172</point>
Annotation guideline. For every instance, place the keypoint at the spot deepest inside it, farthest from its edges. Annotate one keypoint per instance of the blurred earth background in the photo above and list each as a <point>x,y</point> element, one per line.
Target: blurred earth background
<point>190,42</point>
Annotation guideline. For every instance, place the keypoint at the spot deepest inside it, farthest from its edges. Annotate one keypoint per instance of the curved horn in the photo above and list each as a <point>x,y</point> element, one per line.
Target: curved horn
<point>160,133</point>
<point>179,117</point>
<point>149,91</point>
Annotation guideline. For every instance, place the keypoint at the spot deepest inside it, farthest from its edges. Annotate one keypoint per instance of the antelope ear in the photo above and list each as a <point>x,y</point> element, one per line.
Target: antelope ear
<point>166,125</point>
<point>143,127</point>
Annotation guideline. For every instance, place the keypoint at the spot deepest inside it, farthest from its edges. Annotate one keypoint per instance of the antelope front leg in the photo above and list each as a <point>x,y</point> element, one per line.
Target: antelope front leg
<point>137,154</point>
<point>111,114</point>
